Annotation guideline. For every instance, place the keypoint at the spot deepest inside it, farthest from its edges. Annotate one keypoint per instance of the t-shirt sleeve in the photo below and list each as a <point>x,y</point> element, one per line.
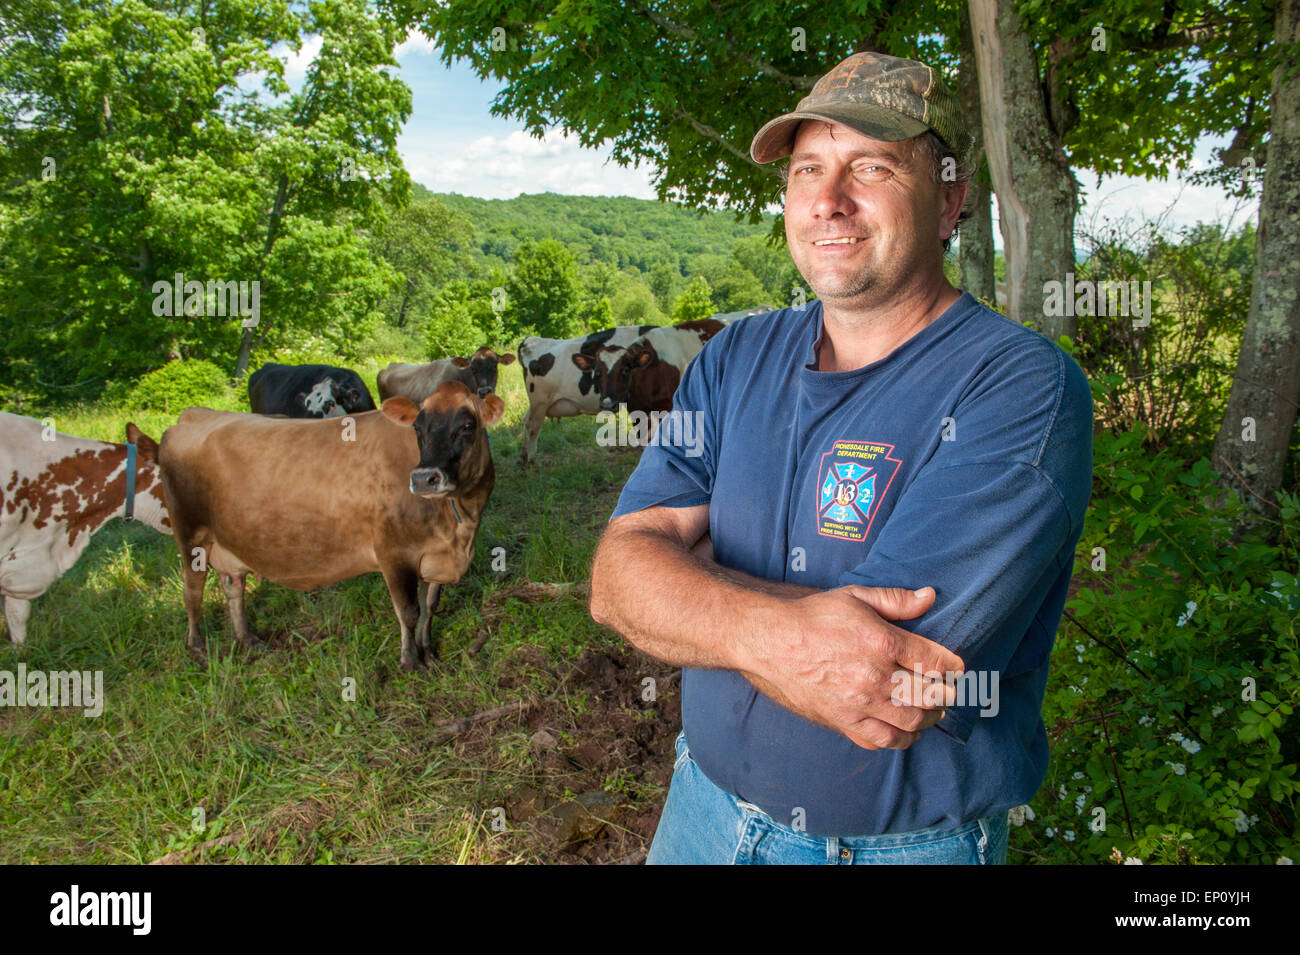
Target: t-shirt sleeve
<point>991,519</point>
<point>678,469</point>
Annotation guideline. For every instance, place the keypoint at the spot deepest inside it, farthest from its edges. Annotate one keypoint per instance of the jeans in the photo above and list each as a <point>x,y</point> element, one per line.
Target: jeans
<point>704,825</point>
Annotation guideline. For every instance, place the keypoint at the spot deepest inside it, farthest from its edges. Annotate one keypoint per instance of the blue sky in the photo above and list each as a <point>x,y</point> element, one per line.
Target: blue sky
<point>451,143</point>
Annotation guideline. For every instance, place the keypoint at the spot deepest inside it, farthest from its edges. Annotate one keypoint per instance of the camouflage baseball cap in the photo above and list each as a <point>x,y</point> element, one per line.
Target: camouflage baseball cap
<point>882,97</point>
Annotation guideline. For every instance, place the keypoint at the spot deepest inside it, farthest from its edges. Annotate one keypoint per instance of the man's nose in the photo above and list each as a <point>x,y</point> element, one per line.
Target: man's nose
<point>832,196</point>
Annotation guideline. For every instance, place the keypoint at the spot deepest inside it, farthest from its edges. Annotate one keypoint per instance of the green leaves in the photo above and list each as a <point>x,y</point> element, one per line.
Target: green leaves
<point>178,148</point>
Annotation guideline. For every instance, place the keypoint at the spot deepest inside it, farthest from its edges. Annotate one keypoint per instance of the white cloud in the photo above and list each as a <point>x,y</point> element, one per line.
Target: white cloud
<point>503,166</point>
<point>296,64</point>
<point>415,43</point>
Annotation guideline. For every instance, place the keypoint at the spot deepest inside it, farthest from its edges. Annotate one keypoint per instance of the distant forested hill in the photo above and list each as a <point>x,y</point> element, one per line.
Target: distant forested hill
<point>624,232</point>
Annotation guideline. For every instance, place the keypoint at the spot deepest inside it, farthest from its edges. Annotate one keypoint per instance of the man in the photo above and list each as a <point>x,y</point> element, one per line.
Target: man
<point>892,484</point>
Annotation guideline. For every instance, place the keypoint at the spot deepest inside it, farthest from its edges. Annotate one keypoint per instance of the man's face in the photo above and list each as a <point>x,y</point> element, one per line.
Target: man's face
<point>885,210</point>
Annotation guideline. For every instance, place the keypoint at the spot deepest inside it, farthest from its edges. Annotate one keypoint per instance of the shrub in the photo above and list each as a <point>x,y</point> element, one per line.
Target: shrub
<point>1175,675</point>
<point>179,384</point>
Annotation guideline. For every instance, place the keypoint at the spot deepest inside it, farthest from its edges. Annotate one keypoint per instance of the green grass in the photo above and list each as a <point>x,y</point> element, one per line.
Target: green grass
<point>267,747</point>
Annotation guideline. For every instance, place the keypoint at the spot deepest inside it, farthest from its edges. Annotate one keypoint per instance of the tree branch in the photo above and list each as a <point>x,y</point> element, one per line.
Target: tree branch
<point>686,33</point>
<point>708,132</point>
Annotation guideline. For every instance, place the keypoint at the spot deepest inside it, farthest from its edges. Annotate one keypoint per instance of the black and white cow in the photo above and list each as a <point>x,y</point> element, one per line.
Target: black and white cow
<point>307,391</point>
<point>645,375</point>
<point>557,384</point>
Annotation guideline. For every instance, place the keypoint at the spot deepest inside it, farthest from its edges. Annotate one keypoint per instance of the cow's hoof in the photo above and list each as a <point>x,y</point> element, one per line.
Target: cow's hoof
<point>413,663</point>
<point>255,645</point>
<point>198,653</point>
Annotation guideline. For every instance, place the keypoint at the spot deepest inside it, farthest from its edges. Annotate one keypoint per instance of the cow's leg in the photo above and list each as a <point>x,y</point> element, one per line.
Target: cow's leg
<point>533,422</point>
<point>233,586</point>
<point>17,611</point>
<point>429,594</point>
<point>193,581</point>
<point>403,588</point>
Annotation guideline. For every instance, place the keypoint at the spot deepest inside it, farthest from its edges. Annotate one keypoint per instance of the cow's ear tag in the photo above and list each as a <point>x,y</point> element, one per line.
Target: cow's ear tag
<point>493,409</point>
<point>400,410</point>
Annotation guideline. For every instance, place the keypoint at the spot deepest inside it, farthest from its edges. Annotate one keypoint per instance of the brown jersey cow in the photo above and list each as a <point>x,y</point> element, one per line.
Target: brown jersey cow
<point>308,503</point>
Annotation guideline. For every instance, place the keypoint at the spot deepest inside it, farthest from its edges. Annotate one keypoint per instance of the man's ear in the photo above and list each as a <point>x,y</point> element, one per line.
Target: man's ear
<point>493,409</point>
<point>954,200</point>
<point>400,410</point>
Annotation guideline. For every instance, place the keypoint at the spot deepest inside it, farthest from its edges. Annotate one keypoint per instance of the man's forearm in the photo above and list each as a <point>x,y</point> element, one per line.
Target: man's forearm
<point>679,606</point>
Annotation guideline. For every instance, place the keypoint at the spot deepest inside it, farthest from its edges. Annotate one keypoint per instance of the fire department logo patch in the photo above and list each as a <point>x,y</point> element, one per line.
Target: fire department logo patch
<point>853,479</point>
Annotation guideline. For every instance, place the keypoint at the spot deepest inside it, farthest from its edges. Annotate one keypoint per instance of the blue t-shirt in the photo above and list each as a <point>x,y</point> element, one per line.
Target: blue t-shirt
<point>962,461</point>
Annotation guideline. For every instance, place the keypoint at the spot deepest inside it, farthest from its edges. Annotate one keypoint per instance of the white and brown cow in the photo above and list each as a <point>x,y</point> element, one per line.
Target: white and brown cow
<point>56,491</point>
<point>309,503</point>
<point>478,372</point>
<point>560,375</point>
<point>645,376</point>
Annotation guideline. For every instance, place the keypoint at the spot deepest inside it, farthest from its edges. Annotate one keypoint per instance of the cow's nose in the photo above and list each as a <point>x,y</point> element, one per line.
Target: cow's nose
<point>606,404</point>
<point>429,481</point>
<point>484,392</point>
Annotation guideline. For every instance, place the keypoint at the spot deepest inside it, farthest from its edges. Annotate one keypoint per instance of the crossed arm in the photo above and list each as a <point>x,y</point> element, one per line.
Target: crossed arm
<point>831,656</point>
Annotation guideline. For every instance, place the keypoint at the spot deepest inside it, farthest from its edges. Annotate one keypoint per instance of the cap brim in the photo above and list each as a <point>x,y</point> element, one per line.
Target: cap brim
<point>776,139</point>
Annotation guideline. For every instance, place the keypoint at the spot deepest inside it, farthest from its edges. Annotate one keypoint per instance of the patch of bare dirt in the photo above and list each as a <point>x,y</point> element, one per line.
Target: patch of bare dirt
<point>600,754</point>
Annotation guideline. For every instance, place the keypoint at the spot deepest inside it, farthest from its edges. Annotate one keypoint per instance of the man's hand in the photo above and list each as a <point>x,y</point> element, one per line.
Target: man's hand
<point>833,658</point>
<point>830,656</point>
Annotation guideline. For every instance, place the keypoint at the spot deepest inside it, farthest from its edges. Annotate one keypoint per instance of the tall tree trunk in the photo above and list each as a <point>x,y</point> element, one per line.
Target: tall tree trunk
<point>975,240</point>
<point>272,233</point>
<point>1251,447</point>
<point>1031,175</point>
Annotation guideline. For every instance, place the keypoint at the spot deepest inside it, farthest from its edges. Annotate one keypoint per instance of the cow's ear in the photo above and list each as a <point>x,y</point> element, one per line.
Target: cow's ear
<point>146,447</point>
<point>400,410</point>
<point>460,362</point>
<point>301,400</point>
<point>493,409</point>
<point>507,358</point>
<point>643,359</point>
<point>585,362</point>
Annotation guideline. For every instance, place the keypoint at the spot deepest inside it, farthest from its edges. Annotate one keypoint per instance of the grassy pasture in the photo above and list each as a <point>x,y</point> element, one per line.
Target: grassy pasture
<point>262,759</point>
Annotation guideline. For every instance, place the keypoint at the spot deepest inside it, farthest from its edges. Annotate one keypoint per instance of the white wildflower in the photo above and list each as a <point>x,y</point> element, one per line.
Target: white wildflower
<point>1186,618</point>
